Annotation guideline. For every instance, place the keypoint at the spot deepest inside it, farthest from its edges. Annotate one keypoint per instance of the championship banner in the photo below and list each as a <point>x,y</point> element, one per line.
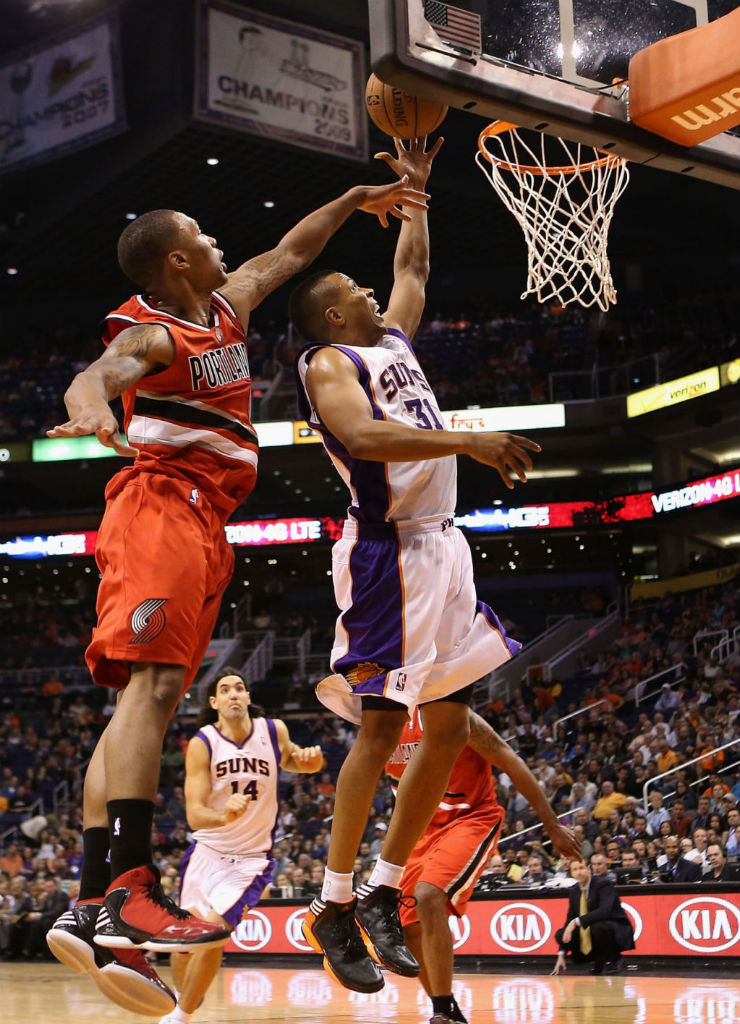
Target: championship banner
<point>665,924</point>
<point>272,77</point>
<point>62,94</point>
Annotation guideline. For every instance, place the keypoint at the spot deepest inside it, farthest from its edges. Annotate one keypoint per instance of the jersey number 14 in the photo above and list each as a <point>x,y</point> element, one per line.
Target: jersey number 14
<point>250,789</point>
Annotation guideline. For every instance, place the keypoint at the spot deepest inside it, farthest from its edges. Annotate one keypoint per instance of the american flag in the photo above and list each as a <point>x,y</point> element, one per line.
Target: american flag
<point>453,24</point>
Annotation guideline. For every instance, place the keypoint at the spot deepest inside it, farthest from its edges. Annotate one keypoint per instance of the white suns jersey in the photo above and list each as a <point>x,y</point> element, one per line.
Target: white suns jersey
<point>251,769</point>
<point>397,390</point>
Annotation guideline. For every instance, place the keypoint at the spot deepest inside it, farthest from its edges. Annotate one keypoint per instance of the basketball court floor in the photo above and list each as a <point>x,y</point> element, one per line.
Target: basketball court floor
<point>50,994</point>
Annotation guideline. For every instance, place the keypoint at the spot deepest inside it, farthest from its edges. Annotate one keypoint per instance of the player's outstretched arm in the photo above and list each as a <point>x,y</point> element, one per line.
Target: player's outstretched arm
<point>136,352</point>
<point>486,742</point>
<point>411,262</point>
<point>198,791</point>
<point>294,758</point>
<point>250,283</point>
<point>334,389</point>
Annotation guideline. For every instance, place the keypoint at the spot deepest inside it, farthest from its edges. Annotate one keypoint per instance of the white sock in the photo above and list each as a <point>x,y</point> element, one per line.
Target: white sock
<point>385,874</point>
<point>177,1016</point>
<point>337,886</point>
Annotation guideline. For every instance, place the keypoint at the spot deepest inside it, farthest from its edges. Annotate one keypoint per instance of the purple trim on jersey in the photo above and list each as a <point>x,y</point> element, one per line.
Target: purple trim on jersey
<point>374,621</point>
<point>278,757</point>
<point>493,620</point>
<point>186,860</point>
<point>246,739</point>
<point>273,736</point>
<point>250,897</point>
<point>399,334</point>
<point>204,736</point>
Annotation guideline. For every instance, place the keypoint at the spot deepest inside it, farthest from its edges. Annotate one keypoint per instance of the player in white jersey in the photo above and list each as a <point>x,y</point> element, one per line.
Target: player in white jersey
<point>411,630</point>
<point>231,801</point>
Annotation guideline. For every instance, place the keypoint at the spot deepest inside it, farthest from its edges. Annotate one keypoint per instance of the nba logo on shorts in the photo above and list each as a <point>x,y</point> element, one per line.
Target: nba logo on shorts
<point>401,681</point>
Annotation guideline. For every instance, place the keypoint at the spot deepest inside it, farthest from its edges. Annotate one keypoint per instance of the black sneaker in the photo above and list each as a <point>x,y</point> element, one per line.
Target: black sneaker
<point>377,917</point>
<point>124,976</point>
<point>330,928</point>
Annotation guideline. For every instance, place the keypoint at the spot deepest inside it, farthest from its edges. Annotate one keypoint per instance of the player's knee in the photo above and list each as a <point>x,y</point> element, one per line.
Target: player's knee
<point>431,902</point>
<point>159,685</point>
<point>379,735</point>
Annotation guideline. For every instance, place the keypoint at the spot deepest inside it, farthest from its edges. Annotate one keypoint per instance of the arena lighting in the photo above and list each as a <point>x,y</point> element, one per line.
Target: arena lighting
<point>557,515</point>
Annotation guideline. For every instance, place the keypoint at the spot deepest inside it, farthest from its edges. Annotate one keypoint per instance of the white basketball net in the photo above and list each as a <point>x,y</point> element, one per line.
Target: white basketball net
<point>564,211</point>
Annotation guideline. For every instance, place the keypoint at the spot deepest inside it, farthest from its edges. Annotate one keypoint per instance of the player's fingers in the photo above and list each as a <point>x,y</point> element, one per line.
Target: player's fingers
<point>400,148</point>
<point>69,429</point>
<point>524,442</point>
<point>504,476</point>
<point>436,147</point>
<point>395,211</point>
<point>520,455</point>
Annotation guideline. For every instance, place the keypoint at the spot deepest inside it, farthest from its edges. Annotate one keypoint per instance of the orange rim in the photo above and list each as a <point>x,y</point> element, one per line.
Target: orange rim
<point>499,127</point>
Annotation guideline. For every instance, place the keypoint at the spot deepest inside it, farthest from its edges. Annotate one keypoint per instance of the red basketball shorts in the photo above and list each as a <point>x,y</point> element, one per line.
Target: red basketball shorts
<point>452,858</point>
<point>165,563</point>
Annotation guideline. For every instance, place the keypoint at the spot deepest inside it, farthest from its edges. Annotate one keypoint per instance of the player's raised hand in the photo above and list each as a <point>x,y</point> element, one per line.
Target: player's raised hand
<point>413,160</point>
<point>506,453</point>
<point>565,841</point>
<point>385,200</point>
<point>236,805</point>
<point>102,423</point>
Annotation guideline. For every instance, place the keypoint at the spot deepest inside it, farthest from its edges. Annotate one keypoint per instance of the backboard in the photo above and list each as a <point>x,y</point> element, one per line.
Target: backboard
<point>549,65</point>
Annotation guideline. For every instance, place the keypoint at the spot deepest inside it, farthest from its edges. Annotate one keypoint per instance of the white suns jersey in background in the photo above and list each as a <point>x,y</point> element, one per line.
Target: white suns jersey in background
<point>397,390</point>
<point>252,770</point>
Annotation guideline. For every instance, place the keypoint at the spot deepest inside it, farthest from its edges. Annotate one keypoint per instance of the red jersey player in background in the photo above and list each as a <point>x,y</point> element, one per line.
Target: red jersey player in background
<point>177,355</point>
<point>451,855</point>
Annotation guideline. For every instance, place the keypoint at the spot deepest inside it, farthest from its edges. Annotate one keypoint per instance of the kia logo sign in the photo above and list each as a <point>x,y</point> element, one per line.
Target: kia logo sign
<point>460,930</point>
<point>253,932</point>
<point>705,924</point>
<point>635,917</point>
<point>293,932</point>
<point>520,927</point>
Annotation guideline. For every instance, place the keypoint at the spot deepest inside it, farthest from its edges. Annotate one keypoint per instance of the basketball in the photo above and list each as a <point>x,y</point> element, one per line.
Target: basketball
<point>397,112</point>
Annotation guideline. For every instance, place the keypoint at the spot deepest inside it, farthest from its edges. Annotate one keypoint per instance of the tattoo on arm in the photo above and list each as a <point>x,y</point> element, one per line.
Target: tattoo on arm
<point>482,737</point>
<point>135,353</point>
<point>260,276</point>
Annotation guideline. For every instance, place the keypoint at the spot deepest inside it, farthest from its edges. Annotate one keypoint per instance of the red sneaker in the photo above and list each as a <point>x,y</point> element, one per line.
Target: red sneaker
<point>122,976</point>
<point>137,914</point>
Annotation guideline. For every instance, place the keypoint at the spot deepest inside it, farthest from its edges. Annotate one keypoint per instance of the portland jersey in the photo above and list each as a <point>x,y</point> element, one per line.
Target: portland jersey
<point>470,789</point>
<point>192,420</point>
<point>252,770</point>
<point>398,391</point>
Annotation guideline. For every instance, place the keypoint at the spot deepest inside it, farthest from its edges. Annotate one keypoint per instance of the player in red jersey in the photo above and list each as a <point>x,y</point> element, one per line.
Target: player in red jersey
<point>450,857</point>
<point>177,355</point>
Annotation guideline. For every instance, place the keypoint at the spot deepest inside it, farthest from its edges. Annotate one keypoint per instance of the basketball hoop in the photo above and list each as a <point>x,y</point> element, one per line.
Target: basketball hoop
<point>564,210</point>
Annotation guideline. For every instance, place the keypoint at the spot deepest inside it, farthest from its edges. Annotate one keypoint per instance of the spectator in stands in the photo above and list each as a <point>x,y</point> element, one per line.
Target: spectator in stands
<point>681,869</point>
<point>668,701</point>
<point>608,800</point>
<point>11,863</point>
<point>597,929</point>
<point>703,810</point>
<point>600,867</point>
<point>719,869</point>
<point>631,861</point>
<point>52,902</point>
<point>657,812</point>
<point>680,822</point>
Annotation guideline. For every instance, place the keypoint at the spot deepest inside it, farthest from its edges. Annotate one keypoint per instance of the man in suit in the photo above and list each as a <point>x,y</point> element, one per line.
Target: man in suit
<point>597,930</point>
<point>720,868</point>
<point>681,869</point>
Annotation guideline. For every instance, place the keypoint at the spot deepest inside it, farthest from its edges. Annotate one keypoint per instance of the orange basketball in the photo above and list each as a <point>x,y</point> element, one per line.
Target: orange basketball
<point>397,112</point>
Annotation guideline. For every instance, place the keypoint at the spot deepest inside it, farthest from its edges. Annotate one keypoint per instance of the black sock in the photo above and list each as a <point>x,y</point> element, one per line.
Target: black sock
<point>448,1006</point>
<point>130,827</point>
<point>95,871</point>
